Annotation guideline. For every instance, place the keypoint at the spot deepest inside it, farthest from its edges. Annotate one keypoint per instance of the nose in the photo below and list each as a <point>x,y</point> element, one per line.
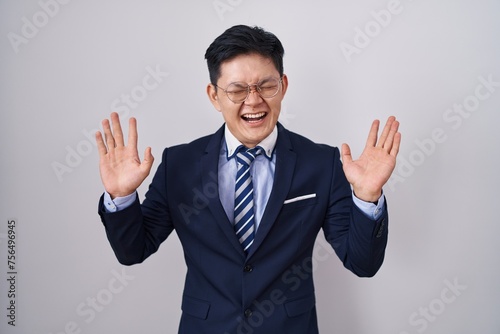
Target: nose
<point>253,96</point>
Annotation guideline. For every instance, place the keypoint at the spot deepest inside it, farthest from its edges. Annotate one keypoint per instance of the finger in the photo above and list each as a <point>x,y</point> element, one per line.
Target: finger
<point>388,144</point>
<point>132,133</point>
<point>108,136</point>
<point>101,147</point>
<point>148,158</point>
<point>117,129</point>
<point>386,131</point>
<point>372,135</point>
<point>346,154</point>
<point>396,144</point>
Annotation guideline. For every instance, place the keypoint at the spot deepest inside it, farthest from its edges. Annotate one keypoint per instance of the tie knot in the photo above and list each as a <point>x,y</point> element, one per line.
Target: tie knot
<point>246,156</point>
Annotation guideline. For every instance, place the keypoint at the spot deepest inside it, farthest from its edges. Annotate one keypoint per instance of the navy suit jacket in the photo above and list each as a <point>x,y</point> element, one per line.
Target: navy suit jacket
<point>270,290</point>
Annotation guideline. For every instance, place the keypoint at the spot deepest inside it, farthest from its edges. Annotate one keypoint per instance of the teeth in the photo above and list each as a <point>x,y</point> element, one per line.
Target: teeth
<point>254,115</point>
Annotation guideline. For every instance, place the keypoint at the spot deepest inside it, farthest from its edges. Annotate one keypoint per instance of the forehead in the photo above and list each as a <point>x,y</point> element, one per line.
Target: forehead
<point>248,68</point>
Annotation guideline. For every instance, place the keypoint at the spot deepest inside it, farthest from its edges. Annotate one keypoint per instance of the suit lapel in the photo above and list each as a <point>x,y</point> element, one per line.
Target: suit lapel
<point>209,171</point>
<point>283,174</point>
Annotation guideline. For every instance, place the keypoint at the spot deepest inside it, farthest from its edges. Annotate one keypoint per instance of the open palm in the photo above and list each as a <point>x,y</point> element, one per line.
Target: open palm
<point>373,168</point>
<point>122,171</point>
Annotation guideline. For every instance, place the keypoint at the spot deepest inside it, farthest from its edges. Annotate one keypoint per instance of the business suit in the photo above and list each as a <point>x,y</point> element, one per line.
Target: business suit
<point>265,291</point>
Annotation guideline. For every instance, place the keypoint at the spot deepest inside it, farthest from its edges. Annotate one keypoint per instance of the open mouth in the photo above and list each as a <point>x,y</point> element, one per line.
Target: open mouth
<point>254,118</point>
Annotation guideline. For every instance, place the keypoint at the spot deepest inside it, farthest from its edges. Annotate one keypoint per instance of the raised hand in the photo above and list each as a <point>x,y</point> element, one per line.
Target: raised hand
<point>122,171</point>
<point>372,170</point>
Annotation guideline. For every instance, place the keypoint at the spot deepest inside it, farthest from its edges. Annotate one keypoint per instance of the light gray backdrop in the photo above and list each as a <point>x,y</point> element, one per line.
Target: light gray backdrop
<point>65,65</point>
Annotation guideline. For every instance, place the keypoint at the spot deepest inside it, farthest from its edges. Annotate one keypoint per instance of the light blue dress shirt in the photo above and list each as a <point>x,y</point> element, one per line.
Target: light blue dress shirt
<point>262,172</point>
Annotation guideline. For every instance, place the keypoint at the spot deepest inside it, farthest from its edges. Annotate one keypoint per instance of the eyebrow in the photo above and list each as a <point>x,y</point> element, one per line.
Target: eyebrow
<point>258,82</point>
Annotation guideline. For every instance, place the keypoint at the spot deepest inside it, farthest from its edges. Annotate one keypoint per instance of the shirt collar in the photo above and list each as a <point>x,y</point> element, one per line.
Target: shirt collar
<point>268,144</point>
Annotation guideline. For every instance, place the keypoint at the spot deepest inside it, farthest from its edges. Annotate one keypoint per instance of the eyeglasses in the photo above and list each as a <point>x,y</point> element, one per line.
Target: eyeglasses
<point>238,92</point>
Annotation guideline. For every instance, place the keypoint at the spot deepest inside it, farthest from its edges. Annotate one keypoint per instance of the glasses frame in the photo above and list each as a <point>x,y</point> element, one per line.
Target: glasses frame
<point>249,89</point>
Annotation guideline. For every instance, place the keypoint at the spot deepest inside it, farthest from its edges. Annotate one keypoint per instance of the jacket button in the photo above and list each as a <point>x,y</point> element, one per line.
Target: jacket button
<point>248,313</point>
<point>248,268</point>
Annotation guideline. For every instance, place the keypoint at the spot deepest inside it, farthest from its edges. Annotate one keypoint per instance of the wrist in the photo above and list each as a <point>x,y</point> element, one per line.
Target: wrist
<point>371,197</point>
<point>121,195</point>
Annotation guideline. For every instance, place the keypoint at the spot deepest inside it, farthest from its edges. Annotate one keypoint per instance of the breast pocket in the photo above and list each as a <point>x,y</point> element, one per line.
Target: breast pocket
<point>300,201</point>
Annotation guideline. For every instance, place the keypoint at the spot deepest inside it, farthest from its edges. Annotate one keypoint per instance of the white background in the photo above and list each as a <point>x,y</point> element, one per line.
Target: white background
<point>60,79</point>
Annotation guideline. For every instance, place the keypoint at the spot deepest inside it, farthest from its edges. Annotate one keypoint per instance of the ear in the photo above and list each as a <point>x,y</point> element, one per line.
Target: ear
<point>284,85</point>
<point>213,97</point>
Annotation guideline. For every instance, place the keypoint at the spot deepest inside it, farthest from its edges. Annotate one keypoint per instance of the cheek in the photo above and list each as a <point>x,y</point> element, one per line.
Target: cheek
<point>275,110</point>
<point>230,113</point>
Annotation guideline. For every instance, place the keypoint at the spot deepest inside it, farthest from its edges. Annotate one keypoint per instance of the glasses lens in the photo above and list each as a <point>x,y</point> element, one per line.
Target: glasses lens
<point>237,92</point>
<point>269,87</point>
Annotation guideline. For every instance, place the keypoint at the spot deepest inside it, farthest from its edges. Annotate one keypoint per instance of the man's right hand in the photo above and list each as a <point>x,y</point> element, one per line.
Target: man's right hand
<point>122,171</point>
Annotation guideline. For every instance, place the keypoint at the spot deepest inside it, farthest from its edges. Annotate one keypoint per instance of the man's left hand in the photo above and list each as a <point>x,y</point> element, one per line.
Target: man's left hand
<point>372,170</point>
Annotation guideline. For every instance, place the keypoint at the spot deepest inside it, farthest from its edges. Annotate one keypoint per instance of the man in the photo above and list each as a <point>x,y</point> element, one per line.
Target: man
<point>248,219</point>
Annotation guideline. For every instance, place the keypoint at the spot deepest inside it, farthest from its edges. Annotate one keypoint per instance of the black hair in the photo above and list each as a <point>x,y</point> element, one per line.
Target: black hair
<point>240,40</point>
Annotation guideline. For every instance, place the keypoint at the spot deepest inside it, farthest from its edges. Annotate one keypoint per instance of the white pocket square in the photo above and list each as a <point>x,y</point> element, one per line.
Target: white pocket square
<point>300,198</point>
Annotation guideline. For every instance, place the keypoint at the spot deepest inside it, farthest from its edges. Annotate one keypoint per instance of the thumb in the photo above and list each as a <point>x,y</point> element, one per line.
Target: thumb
<point>147,163</point>
<point>346,153</point>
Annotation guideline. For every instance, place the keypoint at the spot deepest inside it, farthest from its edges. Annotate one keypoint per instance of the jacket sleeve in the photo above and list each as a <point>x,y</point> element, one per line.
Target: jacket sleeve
<point>137,231</point>
<point>358,241</point>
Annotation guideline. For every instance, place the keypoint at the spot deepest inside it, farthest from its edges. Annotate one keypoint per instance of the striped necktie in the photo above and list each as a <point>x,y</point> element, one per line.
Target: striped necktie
<point>243,204</point>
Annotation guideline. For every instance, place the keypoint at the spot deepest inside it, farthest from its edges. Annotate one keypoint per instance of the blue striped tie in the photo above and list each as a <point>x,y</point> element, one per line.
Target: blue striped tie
<point>243,203</point>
